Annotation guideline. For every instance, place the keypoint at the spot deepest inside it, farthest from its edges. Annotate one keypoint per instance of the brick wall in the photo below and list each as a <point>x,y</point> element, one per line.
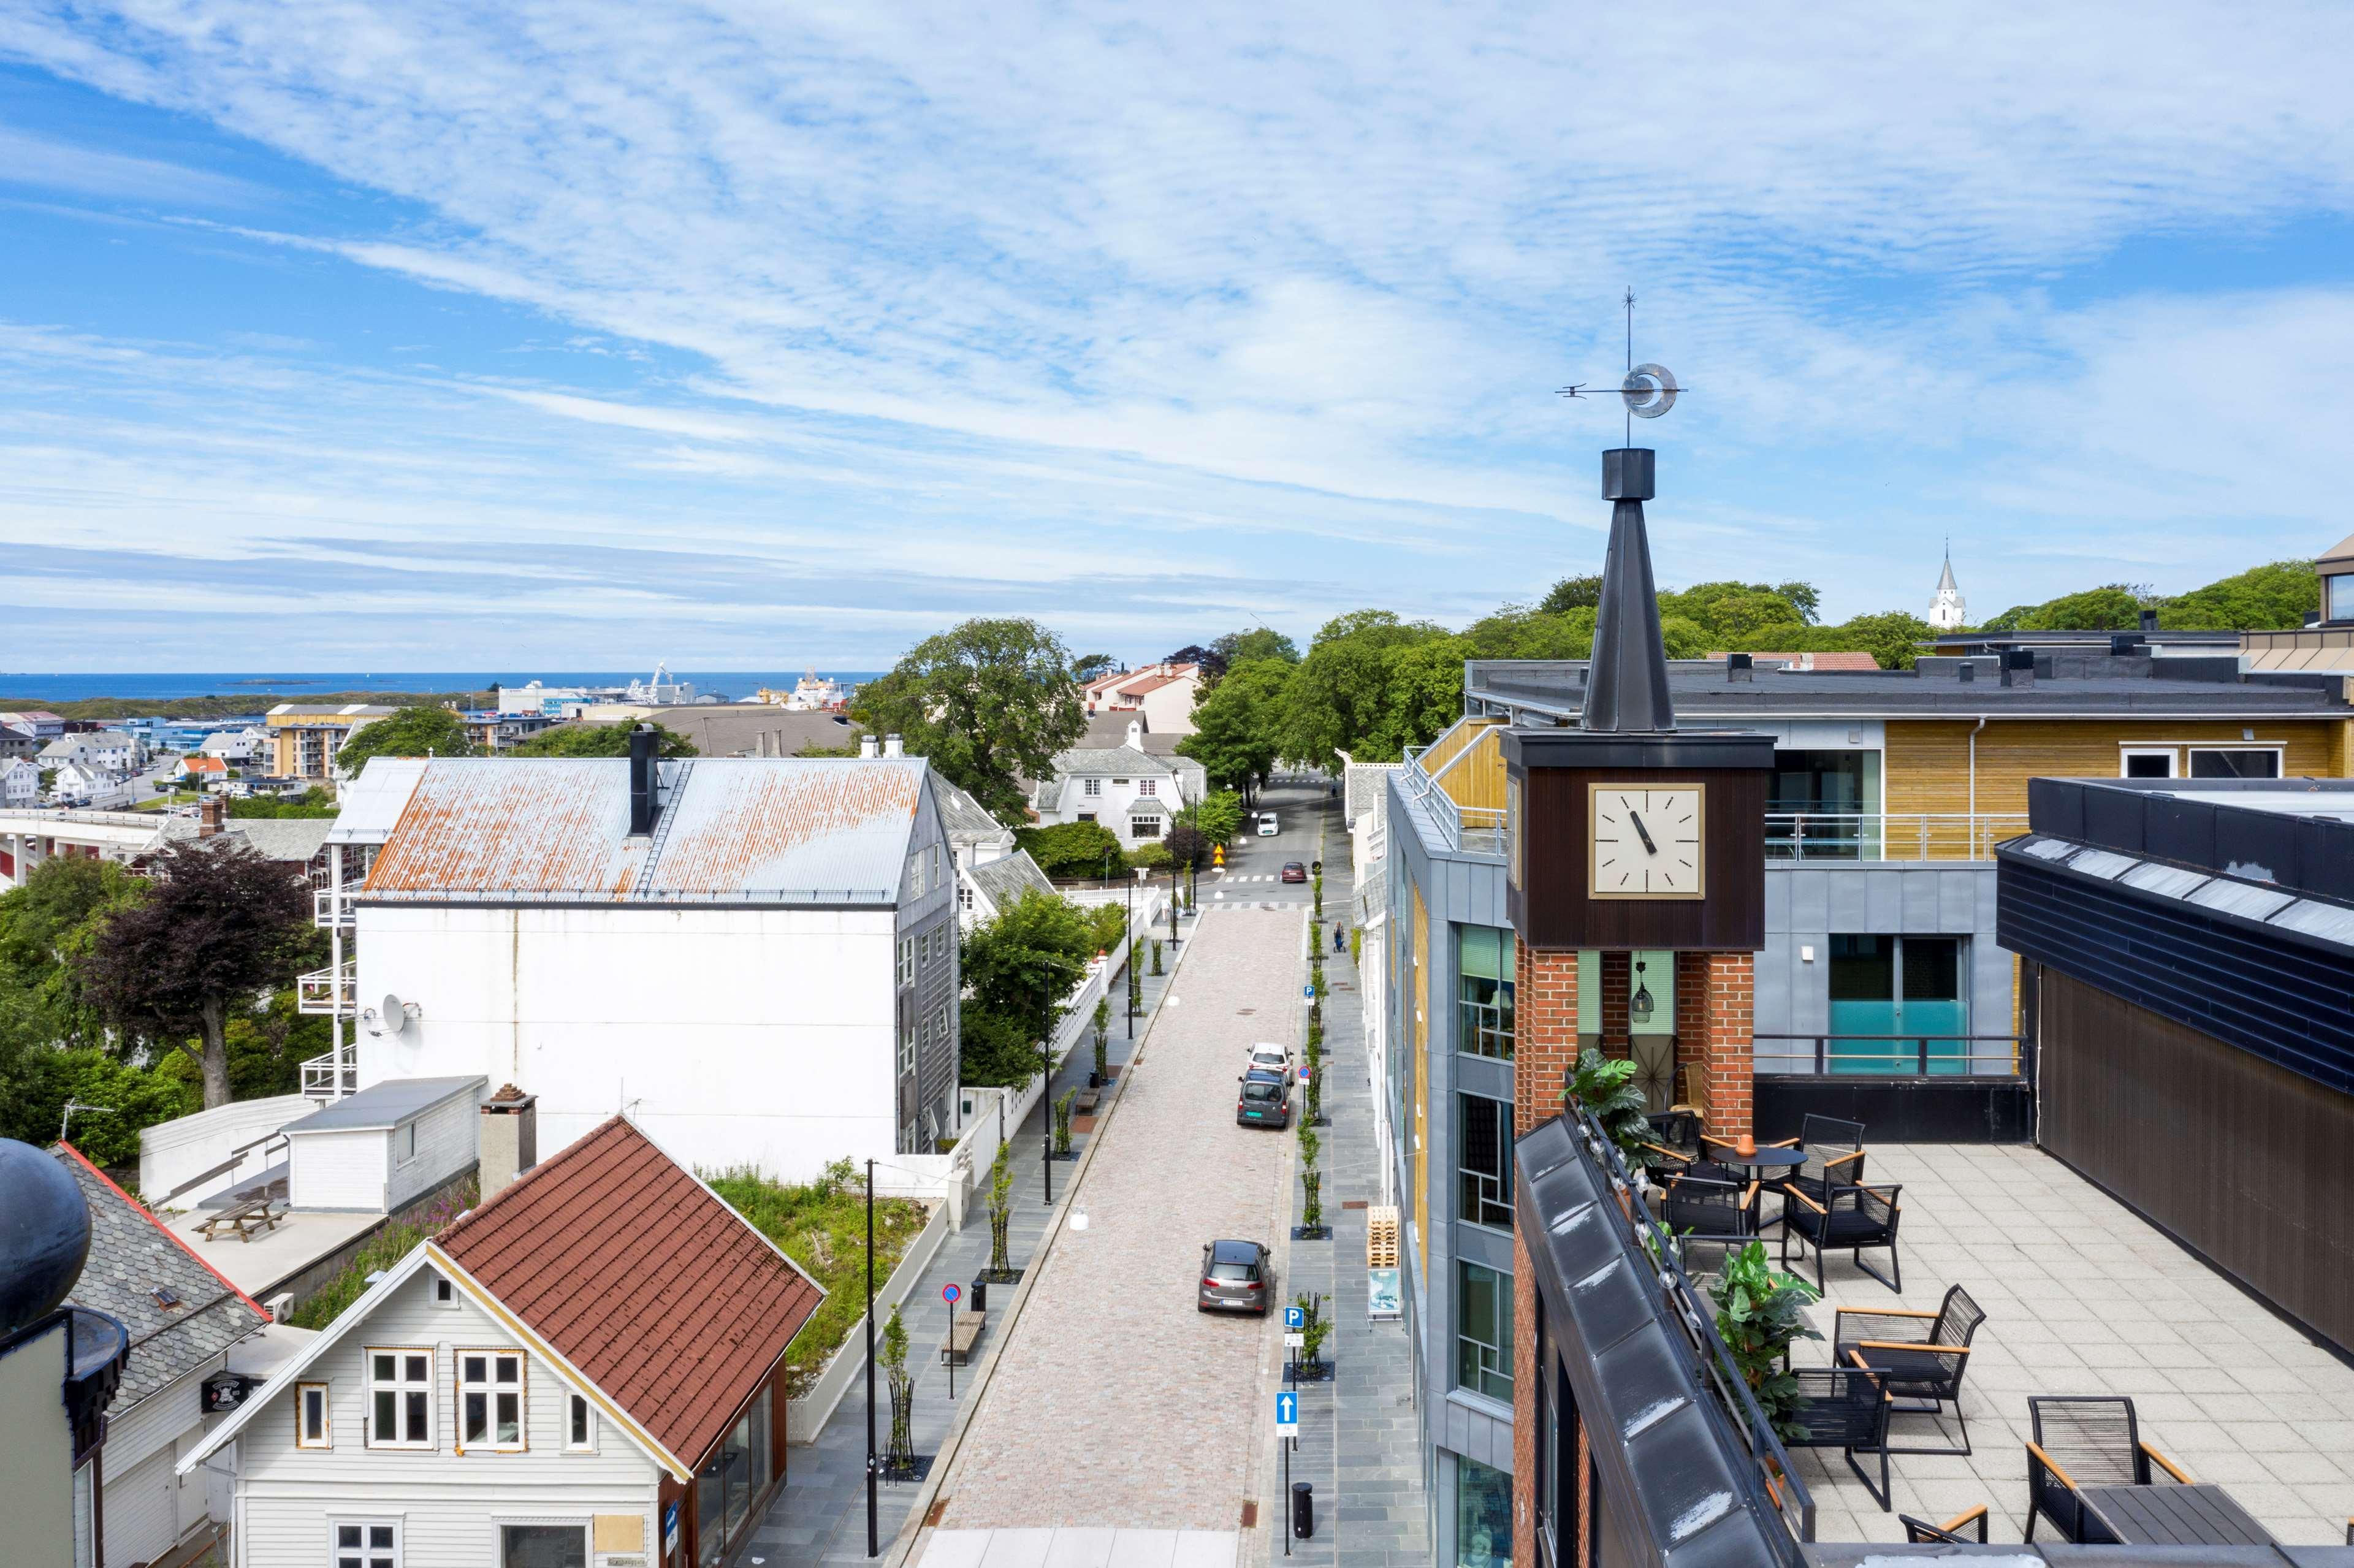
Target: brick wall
<point>1544,1003</point>
<point>1732,1014</point>
<point>1615,987</point>
<point>1691,1021</point>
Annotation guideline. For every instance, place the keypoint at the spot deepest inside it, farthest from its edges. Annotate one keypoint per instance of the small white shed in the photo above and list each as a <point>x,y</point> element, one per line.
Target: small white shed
<point>384,1147</point>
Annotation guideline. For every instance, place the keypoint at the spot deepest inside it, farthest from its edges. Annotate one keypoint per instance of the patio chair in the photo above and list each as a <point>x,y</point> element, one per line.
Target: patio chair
<point>1834,1151</point>
<point>1921,1532</point>
<point>1844,1408</point>
<point>2086,1441</point>
<point>1678,1148</point>
<point>1853,1220</point>
<point>1708,1215</point>
<point>1923,1355</point>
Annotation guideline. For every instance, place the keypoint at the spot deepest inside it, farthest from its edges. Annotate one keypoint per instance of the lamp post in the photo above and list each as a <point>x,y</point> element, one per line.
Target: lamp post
<point>874,1541</point>
<point>1045,1097</point>
<point>1128,937</point>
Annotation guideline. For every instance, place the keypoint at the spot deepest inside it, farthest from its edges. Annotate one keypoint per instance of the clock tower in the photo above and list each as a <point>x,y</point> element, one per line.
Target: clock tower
<point>1630,838</point>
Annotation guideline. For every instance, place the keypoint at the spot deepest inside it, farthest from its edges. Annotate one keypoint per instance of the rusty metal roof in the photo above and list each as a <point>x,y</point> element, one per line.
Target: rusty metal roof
<point>731,830</point>
<point>657,1291</point>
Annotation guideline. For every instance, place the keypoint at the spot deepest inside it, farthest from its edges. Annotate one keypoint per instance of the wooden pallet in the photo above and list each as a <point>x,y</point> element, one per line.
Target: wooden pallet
<point>1382,1237</point>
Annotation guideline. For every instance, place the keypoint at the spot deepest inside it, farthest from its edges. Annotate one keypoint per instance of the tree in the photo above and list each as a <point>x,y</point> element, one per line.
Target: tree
<point>990,704</point>
<point>1343,697</point>
<point>1258,643</point>
<point>1727,613</point>
<point>1070,849</point>
<point>1017,970</point>
<point>1089,666</point>
<point>1804,596</point>
<point>217,925</point>
<point>578,739</point>
<point>1213,664</point>
<point>1218,814</point>
<point>410,732</point>
<point>1571,593</point>
<point>1236,724</point>
<point>45,927</point>
<point>1188,846</point>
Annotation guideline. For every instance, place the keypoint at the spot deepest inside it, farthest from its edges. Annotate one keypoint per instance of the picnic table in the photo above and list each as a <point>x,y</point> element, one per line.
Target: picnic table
<point>245,1218</point>
<point>2194,1515</point>
<point>964,1331</point>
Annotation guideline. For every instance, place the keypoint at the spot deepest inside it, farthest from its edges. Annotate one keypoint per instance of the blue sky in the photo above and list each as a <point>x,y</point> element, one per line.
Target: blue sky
<point>438,335</point>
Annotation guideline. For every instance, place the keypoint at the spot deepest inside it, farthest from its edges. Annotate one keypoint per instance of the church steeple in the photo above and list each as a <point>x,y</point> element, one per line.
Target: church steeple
<point>1949,611</point>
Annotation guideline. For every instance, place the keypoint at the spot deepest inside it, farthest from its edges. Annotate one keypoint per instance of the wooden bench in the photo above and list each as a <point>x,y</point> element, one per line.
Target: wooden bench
<point>964,1330</point>
<point>253,1214</point>
<point>1087,1101</point>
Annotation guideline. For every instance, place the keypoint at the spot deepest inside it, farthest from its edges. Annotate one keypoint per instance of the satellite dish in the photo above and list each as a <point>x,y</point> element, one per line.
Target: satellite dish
<point>1649,391</point>
<point>392,1016</point>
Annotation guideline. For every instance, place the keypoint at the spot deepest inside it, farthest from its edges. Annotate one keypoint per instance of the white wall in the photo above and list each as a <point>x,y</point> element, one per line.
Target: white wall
<point>1110,807</point>
<point>451,1503</point>
<point>170,1152</point>
<point>339,1170</point>
<point>447,1139</point>
<point>761,1037</point>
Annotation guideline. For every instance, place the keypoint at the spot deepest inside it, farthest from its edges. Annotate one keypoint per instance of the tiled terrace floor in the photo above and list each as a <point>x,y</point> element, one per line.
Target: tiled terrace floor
<point>2083,1297</point>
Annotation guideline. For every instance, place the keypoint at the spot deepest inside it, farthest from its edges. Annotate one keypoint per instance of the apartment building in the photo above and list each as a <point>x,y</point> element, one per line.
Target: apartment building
<point>305,738</point>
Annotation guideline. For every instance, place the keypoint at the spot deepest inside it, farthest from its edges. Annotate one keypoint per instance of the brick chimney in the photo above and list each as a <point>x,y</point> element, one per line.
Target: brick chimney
<point>510,1139</point>
<point>211,815</point>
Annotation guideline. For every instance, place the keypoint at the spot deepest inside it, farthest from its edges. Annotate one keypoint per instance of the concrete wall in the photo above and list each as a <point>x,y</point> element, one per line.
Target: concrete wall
<point>1807,904</point>
<point>738,1036</point>
<point>36,1461</point>
<point>170,1152</point>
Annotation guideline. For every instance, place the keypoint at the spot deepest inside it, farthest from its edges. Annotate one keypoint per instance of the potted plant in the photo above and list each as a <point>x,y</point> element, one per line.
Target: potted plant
<point>1606,1090</point>
<point>1760,1314</point>
<point>1063,1124</point>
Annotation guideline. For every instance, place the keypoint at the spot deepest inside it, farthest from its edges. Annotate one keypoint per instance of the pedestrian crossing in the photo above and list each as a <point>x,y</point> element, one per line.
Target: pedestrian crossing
<point>1254,876</point>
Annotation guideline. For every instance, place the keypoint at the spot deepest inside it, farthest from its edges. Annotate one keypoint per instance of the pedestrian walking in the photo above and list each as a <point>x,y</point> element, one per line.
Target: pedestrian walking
<point>1339,938</point>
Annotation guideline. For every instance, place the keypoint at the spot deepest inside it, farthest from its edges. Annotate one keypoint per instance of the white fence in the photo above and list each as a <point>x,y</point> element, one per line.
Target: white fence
<point>171,1152</point>
<point>805,1417</point>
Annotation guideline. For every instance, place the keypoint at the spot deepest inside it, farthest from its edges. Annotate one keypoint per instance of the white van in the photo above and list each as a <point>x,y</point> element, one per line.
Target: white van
<point>1267,825</point>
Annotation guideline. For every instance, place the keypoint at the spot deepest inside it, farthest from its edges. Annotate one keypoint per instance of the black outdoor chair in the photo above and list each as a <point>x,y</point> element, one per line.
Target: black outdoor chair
<point>1844,1408</point>
<point>2086,1441</point>
<point>1834,1151</point>
<point>1679,1149</point>
<point>1923,1355</point>
<point>1708,1215</point>
<point>1853,1220</point>
<point>1921,1532</point>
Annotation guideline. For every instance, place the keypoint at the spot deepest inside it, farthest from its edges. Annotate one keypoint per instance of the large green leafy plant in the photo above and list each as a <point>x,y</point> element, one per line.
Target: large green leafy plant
<point>1760,1314</point>
<point>1606,1090</point>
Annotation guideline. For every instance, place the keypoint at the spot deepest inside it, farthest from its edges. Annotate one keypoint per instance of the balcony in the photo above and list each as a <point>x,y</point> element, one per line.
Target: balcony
<point>326,1078</point>
<point>1889,835</point>
<point>330,991</point>
<point>329,912</point>
<point>1458,779</point>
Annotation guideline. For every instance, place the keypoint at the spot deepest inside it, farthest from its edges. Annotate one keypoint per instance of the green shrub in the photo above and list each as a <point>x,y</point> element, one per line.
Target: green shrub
<point>400,1236</point>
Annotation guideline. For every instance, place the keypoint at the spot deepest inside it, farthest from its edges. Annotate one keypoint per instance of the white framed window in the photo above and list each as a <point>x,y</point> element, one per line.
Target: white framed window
<point>491,1399</point>
<point>906,959</point>
<point>1091,787</point>
<point>445,1292</point>
<point>404,1143</point>
<point>311,1416</point>
<point>906,1048</point>
<point>579,1425</point>
<point>1144,827</point>
<point>2145,762</point>
<point>400,1397</point>
<point>365,1542</point>
<point>1086,816</point>
<point>2235,761</point>
<point>941,1023</point>
<point>1148,786</point>
<point>916,873</point>
<point>964,895</point>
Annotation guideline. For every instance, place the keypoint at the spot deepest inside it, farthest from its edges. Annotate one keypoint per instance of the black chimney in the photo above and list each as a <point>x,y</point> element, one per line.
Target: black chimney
<point>2019,667</point>
<point>1740,667</point>
<point>641,781</point>
<point>2149,621</point>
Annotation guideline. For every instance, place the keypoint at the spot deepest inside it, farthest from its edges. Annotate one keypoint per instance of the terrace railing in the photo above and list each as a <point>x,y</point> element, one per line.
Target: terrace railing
<point>329,991</point>
<point>1891,1055</point>
<point>330,1076</point>
<point>1889,835</point>
<point>1468,830</point>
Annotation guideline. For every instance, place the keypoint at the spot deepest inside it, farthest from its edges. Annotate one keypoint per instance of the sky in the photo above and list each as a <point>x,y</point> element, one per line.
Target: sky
<point>431,335</point>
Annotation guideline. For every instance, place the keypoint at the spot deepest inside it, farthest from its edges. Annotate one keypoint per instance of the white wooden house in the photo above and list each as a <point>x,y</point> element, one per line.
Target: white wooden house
<point>385,1147</point>
<point>21,782</point>
<point>585,1371</point>
<point>1127,790</point>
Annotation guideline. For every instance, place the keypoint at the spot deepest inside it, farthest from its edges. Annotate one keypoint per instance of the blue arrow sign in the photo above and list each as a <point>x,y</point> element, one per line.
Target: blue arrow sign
<point>1294,1317</point>
<point>1287,1413</point>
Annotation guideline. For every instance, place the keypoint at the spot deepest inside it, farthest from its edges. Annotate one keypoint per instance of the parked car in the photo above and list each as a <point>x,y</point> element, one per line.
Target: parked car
<point>1267,825</point>
<point>1267,1056</point>
<point>1237,1277</point>
<point>1265,1099</point>
<point>1293,871</point>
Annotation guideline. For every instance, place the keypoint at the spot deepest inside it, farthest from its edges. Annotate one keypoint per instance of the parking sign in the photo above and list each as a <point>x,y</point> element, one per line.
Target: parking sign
<point>1294,1317</point>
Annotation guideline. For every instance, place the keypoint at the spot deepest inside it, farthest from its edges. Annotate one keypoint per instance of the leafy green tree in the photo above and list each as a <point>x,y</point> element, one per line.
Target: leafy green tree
<point>36,1087</point>
<point>1804,596</point>
<point>1218,814</point>
<point>2271,598</point>
<point>1423,697</point>
<point>411,732</point>
<point>1342,697</point>
<point>217,925</point>
<point>578,739</point>
<point>45,927</point>
<point>2114,607</point>
<point>1571,593</point>
<point>1017,970</point>
<point>1238,726</point>
<point>1188,846</point>
<point>1070,849</point>
<point>1729,612</point>
<point>1258,643</point>
<point>990,703</point>
<point>1516,631</point>
<point>1089,666</point>
<point>1149,857</point>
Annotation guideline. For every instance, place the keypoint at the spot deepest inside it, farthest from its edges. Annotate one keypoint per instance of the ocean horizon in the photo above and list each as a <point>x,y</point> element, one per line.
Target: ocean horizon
<point>24,687</point>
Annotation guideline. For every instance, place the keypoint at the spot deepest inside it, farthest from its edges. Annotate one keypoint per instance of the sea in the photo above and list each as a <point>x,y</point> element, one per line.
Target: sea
<point>21,688</point>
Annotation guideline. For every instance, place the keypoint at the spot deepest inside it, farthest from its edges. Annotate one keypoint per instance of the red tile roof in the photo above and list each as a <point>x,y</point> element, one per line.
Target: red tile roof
<point>203,765</point>
<point>636,1273</point>
<point>1844,660</point>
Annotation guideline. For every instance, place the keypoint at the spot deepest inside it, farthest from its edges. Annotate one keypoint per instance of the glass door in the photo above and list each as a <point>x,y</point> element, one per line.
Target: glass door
<point>1905,986</point>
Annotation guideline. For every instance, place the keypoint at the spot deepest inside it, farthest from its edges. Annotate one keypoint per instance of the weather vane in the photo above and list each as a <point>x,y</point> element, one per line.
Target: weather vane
<point>1648,390</point>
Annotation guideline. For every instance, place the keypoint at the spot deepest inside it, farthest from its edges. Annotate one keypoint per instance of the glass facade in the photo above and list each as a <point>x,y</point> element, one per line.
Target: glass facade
<point>1483,1516</point>
<point>1483,1331</point>
<point>1823,805</point>
<point>1899,986</point>
<point>730,1481</point>
<point>1484,957</point>
<point>1484,1132</point>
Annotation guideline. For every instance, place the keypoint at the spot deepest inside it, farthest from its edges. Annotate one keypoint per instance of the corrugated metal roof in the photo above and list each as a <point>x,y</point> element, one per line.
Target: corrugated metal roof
<point>781,830</point>
<point>373,802</point>
<point>660,1293</point>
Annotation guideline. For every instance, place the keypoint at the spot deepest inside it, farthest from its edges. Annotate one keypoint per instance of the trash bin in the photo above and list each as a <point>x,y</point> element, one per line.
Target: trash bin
<point>976,1299</point>
<point>1303,1510</point>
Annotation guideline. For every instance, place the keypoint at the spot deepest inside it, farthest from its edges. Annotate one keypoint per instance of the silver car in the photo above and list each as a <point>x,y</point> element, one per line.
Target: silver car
<point>1237,1277</point>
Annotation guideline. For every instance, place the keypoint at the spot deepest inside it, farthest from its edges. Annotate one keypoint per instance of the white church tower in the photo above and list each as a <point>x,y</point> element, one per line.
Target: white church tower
<point>1949,611</point>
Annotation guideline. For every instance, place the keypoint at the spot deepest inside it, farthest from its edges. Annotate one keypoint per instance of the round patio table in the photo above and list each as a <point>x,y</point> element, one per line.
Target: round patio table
<point>1765,1163</point>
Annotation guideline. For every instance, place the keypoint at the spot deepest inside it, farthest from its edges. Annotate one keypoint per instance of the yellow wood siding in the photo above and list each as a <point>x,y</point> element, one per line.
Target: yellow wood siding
<point>1418,1041</point>
<point>1462,733</point>
<point>1475,779</point>
<point>1927,767</point>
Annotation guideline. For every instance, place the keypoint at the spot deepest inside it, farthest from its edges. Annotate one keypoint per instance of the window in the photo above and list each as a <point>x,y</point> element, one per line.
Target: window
<point>916,873</point>
<point>1091,787</point>
<point>1086,816</point>
<point>2147,762</point>
<point>311,1415</point>
<point>404,1143</point>
<point>445,1291</point>
<point>1483,969</point>
<point>1485,1128</point>
<point>964,895</point>
<point>941,1023</point>
<point>579,1425</point>
<point>727,1485</point>
<point>907,960</point>
<point>1907,989</point>
<point>2253,762</point>
<point>1148,786</point>
<point>2342,598</point>
<point>1483,1516</point>
<point>906,1047</point>
<point>1144,827</point>
<point>1816,803</point>
<point>543,1546</point>
<point>366,1542</point>
<point>490,1399</point>
<point>1483,1331</point>
<point>401,1399</point>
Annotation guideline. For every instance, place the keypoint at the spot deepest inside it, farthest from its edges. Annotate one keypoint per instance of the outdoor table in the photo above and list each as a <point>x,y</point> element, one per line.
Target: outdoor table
<point>2195,1515</point>
<point>1766,1164</point>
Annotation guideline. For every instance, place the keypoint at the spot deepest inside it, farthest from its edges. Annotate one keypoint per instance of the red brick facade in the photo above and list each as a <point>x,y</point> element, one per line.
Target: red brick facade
<point>1728,1047</point>
<point>1544,1004</point>
<point>1616,967</point>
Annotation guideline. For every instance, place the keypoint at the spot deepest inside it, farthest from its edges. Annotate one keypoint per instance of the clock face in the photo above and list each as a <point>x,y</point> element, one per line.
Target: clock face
<point>1646,841</point>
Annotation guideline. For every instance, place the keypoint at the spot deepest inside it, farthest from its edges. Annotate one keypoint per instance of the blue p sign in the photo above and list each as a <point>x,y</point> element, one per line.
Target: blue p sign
<point>951,1293</point>
<point>1293,1318</point>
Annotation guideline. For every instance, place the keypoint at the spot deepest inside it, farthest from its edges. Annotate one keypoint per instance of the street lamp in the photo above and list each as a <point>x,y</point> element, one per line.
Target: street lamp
<point>1127,939</point>
<point>1046,1097</point>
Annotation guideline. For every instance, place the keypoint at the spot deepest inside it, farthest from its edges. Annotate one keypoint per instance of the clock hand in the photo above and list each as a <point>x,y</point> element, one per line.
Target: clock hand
<point>1643,832</point>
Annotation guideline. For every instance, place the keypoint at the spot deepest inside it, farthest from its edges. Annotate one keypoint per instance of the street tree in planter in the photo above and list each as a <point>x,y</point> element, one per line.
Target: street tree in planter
<point>1311,1182</point>
<point>1062,1123</point>
<point>1156,955</point>
<point>900,1459</point>
<point>1001,1212</point>
<point>1760,1314</point>
<point>1315,1329</point>
<point>1102,1021</point>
